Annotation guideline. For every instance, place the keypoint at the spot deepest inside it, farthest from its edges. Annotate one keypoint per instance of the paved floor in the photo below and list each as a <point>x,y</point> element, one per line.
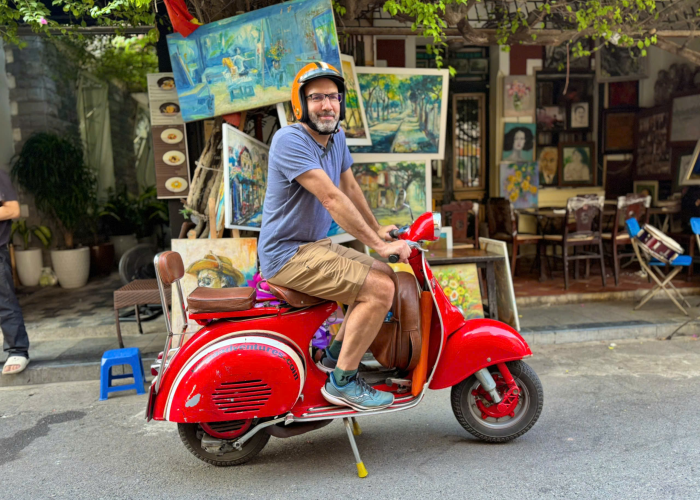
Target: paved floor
<point>617,423</point>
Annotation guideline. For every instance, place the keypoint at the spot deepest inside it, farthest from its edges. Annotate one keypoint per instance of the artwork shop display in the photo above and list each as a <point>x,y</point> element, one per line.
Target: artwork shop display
<point>505,293</point>
<point>653,158</point>
<point>685,118</point>
<point>579,116</point>
<point>577,164</point>
<point>245,174</point>
<point>389,186</point>
<point>169,139</point>
<point>250,60</point>
<point>548,162</point>
<point>519,141</point>
<point>460,283</point>
<point>518,96</point>
<point>551,118</point>
<point>619,128</point>
<point>618,64</point>
<point>213,263</point>
<point>647,188</point>
<point>520,183</point>
<point>406,111</point>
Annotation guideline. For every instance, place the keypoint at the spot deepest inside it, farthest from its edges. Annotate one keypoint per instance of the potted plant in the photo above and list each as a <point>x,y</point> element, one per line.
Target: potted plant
<point>52,169</point>
<point>152,214</point>
<point>29,260</point>
<point>121,217</point>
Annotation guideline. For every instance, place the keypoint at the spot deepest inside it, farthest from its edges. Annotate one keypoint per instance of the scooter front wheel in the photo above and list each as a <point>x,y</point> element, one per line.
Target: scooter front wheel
<point>191,435</point>
<point>479,415</point>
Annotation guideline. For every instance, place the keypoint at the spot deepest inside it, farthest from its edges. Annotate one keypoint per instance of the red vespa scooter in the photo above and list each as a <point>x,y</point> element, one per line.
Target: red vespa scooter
<point>248,374</point>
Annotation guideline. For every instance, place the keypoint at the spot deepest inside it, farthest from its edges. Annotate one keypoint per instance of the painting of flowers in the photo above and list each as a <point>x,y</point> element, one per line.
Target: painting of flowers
<point>461,285</point>
<point>520,183</point>
<point>518,95</point>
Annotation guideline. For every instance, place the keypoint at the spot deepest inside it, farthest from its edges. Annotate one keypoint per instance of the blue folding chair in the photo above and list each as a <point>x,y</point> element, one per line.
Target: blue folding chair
<point>648,261</point>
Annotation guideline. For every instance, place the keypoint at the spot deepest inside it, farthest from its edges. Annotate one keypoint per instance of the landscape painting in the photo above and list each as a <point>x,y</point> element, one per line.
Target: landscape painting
<point>390,186</point>
<point>245,172</point>
<point>249,61</point>
<point>406,112</point>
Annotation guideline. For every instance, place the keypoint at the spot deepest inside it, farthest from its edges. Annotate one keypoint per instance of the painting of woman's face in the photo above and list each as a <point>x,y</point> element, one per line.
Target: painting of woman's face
<point>576,156</point>
<point>519,140</point>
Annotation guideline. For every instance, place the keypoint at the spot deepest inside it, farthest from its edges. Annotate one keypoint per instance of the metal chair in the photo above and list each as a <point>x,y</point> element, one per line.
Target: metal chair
<point>648,260</point>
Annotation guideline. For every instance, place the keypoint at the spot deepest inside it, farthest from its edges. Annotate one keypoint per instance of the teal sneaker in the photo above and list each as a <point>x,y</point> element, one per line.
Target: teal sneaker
<point>357,394</point>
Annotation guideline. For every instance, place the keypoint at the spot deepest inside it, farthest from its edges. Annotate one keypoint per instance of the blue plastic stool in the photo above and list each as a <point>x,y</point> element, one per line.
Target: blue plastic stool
<point>128,356</point>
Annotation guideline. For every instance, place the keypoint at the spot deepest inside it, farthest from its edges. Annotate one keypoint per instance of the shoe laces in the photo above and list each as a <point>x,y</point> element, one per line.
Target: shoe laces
<point>363,386</point>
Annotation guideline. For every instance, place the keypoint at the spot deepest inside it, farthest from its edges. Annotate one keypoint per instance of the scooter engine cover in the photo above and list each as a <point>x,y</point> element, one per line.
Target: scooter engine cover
<point>235,379</point>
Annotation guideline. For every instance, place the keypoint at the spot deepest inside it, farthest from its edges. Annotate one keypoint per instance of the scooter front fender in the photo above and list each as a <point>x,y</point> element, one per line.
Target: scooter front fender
<point>478,344</point>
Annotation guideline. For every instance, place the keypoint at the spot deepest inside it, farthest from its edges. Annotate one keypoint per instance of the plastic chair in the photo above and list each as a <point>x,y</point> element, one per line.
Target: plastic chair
<point>651,262</point>
<point>117,357</point>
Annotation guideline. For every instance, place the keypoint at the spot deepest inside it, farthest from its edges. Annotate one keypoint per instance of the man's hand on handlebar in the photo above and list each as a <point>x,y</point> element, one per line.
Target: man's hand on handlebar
<point>384,232</point>
<point>399,248</point>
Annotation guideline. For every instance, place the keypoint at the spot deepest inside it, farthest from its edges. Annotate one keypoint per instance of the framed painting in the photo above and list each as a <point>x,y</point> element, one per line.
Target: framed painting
<point>479,66</point>
<point>551,118</point>
<point>286,114</point>
<point>555,60</point>
<point>681,163</point>
<point>617,177</point>
<point>619,127</point>
<point>355,123</point>
<point>249,61</point>
<point>653,156</point>
<point>519,142</point>
<point>619,64</point>
<point>505,294</point>
<point>213,263</point>
<point>245,175</point>
<point>580,115</point>
<point>623,94</point>
<point>647,188</point>
<point>406,111</point>
<point>691,172</point>
<point>520,183</point>
<point>396,192</point>
<point>461,285</point>
<point>548,161</point>
<point>577,165</point>
<point>685,118</point>
<point>518,96</point>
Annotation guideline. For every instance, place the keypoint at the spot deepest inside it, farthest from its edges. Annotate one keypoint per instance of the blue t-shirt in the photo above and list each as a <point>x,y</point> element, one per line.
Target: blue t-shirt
<point>292,215</point>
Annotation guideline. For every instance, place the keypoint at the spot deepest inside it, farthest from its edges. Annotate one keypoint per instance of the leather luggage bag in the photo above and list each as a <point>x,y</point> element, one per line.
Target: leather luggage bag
<point>398,343</point>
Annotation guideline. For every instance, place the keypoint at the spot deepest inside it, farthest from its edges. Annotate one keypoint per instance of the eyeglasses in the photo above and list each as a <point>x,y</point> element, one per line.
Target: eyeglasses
<point>333,98</point>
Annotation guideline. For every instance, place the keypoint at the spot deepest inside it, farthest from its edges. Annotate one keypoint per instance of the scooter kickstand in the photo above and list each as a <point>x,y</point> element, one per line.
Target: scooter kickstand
<point>361,470</point>
<point>356,429</point>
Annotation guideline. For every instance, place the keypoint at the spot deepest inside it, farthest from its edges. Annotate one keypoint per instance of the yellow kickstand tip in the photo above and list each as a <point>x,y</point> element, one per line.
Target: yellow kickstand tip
<point>361,470</point>
<point>356,430</point>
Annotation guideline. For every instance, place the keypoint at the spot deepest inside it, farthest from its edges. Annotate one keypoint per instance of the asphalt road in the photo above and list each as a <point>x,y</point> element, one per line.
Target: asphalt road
<point>617,423</point>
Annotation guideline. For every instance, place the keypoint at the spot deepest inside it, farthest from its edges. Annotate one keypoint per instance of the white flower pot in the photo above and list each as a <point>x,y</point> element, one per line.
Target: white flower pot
<point>72,267</point>
<point>29,264</point>
<point>122,244</point>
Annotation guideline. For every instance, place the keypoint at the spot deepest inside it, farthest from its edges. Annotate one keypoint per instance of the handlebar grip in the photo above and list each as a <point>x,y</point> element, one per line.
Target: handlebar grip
<point>394,233</point>
<point>393,258</point>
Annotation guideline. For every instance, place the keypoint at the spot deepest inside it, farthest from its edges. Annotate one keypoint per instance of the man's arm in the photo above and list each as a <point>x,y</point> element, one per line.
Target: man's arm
<point>351,189</point>
<point>9,210</point>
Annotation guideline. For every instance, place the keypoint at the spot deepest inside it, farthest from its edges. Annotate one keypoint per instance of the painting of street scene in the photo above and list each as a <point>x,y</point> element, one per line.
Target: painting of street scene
<point>406,112</point>
<point>390,188</point>
<point>245,173</point>
<point>250,60</point>
<point>355,123</point>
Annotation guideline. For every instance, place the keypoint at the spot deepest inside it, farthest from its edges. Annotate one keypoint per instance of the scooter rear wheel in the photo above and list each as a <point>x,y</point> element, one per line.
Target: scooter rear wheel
<point>191,435</point>
<point>468,395</point>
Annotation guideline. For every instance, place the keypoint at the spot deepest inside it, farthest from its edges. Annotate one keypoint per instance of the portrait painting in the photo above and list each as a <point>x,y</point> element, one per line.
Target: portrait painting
<point>519,142</point>
<point>518,95</point>
<point>245,175</point>
<point>460,282</point>
<point>618,64</point>
<point>250,60</point>
<point>520,183</point>
<point>549,166</point>
<point>577,164</point>
<point>579,116</point>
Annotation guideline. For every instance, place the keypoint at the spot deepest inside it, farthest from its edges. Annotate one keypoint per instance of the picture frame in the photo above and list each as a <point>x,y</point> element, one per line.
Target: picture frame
<point>650,188</point>
<point>619,130</point>
<point>577,164</point>
<point>518,96</point>
<point>580,115</point>
<point>505,293</point>
<point>681,162</point>
<point>519,142</point>
<point>622,94</point>
<point>619,64</point>
<point>519,183</point>
<point>355,124</point>
<point>548,161</point>
<point>685,118</point>
<point>551,118</point>
<point>479,66</point>
<point>652,152</point>
<point>617,176</point>
<point>692,175</point>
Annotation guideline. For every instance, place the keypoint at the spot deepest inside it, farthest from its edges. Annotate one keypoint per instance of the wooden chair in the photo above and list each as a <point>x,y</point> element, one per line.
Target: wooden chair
<point>634,206</point>
<point>503,226</point>
<point>456,215</point>
<point>581,229</point>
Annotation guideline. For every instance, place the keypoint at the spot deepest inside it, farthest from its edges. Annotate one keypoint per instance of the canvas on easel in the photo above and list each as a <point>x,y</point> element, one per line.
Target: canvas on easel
<point>505,293</point>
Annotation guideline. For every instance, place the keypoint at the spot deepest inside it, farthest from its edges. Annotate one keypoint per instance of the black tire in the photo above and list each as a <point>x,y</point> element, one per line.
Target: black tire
<point>189,435</point>
<point>507,428</point>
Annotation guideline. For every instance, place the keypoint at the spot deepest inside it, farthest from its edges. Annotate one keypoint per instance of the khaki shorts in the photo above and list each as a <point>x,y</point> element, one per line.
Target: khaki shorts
<point>325,270</point>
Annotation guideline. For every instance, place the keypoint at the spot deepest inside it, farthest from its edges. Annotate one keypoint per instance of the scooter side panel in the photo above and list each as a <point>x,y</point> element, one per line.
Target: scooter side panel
<point>478,344</point>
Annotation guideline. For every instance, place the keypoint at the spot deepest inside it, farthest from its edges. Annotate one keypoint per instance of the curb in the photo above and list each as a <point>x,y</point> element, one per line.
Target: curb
<point>573,298</point>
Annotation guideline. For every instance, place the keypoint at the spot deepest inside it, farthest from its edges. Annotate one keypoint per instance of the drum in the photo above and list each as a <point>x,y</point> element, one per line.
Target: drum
<point>658,245</point>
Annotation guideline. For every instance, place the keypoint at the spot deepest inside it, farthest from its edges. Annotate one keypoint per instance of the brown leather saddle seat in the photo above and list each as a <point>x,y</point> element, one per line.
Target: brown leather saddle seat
<point>217,300</point>
<point>292,297</point>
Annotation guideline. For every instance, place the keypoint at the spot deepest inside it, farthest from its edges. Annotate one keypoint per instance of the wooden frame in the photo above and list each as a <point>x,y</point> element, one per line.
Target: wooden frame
<point>688,177</point>
<point>677,153</point>
<point>625,127</point>
<point>653,184</point>
<point>570,116</point>
<point>652,161</point>
<point>592,180</point>
<point>684,125</point>
<point>481,98</point>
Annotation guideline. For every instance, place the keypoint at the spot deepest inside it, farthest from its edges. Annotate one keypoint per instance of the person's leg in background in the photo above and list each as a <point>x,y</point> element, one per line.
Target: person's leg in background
<point>16,340</point>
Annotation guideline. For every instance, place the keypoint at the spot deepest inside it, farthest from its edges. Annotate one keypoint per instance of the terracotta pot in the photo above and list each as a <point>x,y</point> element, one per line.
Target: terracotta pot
<point>101,259</point>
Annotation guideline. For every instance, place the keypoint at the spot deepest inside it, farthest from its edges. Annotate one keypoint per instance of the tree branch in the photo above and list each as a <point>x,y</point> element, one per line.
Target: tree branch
<point>672,47</point>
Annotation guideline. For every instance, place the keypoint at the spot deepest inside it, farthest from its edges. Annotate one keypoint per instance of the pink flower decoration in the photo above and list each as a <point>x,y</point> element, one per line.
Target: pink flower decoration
<point>43,21</point>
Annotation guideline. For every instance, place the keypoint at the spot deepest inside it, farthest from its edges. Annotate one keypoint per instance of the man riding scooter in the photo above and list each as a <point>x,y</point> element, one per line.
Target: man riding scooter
<point>310,183</point>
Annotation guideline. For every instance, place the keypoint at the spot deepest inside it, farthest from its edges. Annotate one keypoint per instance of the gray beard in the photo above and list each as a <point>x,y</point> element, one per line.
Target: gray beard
<point>326,128</point>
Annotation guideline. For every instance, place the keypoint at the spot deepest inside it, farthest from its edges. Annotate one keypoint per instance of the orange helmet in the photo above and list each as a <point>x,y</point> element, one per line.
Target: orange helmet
<point>310,72</point>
